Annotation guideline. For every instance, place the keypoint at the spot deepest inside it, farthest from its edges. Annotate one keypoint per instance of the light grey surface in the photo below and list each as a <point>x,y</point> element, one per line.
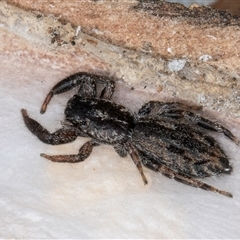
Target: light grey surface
<point>103,197</point>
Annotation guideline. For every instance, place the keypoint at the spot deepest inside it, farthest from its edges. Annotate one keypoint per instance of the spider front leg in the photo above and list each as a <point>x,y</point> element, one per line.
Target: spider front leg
<point>153,165</point>
<point>87,87</point>
<point>84,152</point>
<point>59,137</point>
<point>63,135</point>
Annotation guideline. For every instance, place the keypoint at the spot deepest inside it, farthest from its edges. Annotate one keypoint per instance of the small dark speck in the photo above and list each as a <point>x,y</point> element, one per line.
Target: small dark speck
<point>132,88</point>
<point>145,87</point>
<point>73,43</point>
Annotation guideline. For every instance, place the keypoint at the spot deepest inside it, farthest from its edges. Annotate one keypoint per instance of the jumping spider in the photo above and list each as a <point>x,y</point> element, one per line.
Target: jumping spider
<point>166,137</point>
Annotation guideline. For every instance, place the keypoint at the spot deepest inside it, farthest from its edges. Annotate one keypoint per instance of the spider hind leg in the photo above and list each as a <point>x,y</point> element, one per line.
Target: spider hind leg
<point>193,182</point>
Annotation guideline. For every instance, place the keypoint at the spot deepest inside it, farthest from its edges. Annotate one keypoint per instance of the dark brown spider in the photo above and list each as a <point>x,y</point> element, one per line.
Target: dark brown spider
<point>166,137</point>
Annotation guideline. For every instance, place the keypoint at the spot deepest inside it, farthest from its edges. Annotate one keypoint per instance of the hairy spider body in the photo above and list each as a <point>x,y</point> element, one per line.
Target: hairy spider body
<point>165,137</point>
<point>178,139</point>
<point>100,119</point>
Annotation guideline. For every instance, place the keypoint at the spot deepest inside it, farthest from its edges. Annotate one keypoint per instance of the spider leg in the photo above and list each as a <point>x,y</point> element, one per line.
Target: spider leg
<point>84,152</point>
<point>204,123</point>
<point>182,177</point>
<point>209,125</point>
<point>69,83</point>
<point>108,89</point>
<point>120,149</point>
<point>155,109</point>
<point>158,110</point>
<point>88,87</point>
<point>63,135</point>
<point>136,159</point>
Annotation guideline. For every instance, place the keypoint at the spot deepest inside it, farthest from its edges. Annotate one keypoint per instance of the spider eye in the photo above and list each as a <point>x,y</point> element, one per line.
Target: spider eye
<point>84,122</point>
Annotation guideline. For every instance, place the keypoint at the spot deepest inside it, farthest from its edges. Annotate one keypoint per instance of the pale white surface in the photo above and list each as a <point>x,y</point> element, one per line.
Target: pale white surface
<point>103,197</point>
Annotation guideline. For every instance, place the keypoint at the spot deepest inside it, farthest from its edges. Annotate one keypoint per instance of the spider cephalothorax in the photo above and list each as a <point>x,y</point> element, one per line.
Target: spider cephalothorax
<point>169,138</point>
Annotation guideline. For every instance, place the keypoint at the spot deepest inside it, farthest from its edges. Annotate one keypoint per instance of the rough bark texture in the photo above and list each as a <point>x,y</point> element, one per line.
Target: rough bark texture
<point>185,53</point>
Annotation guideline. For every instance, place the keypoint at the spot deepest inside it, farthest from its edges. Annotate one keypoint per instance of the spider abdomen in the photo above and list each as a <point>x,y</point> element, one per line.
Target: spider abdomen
<point>183,148</point>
